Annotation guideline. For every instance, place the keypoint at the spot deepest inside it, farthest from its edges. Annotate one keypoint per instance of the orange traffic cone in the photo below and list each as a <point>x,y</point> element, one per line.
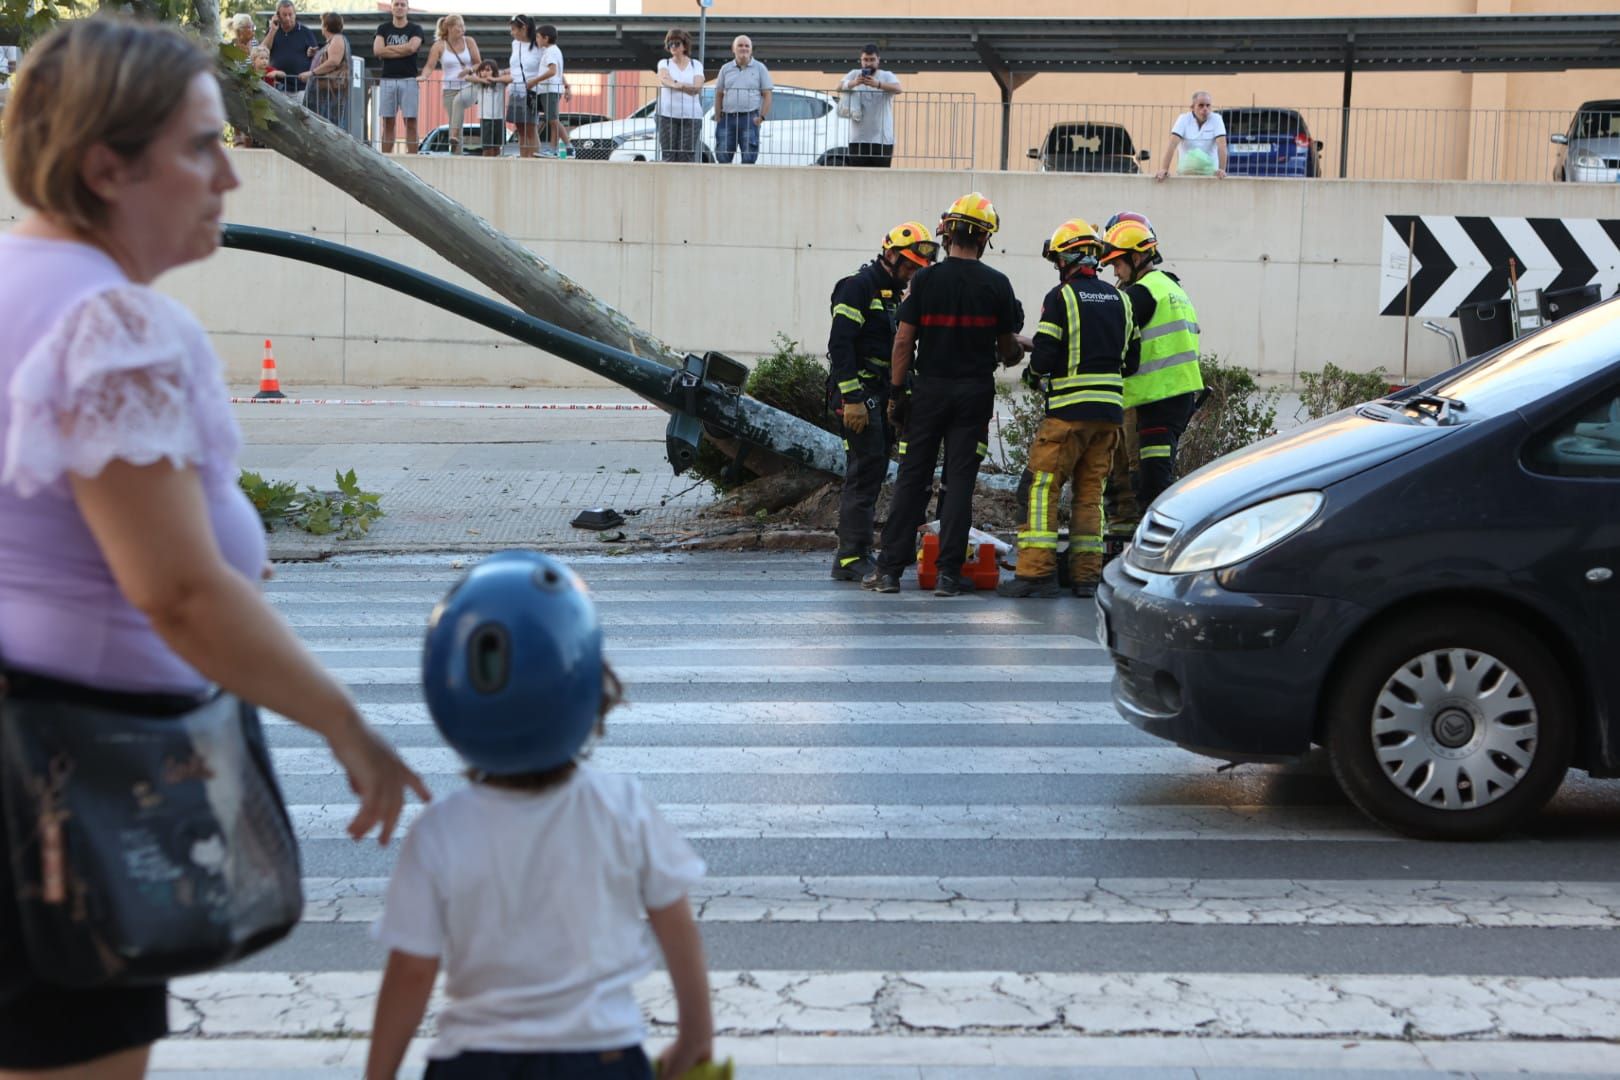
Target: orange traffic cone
<point>269,384</point>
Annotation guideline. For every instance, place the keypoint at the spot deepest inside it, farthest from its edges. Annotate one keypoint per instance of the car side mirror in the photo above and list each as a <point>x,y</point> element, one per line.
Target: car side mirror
<point>1033,152</point>
<point>1561,140</point>
<point>1143,155</point>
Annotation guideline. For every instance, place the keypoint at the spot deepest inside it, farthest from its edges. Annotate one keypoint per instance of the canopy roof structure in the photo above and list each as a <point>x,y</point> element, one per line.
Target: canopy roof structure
<point>1027,47</point>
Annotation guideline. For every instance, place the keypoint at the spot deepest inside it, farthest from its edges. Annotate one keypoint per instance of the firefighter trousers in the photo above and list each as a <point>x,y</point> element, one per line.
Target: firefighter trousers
<point>1120,501</point>
<point>1159,428</point>
<point>953,414</point>
<point>866,461</point>
<point>1066,451</point>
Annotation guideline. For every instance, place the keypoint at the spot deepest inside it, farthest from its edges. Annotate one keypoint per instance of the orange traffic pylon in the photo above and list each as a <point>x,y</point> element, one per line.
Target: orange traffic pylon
<point>269,384</point>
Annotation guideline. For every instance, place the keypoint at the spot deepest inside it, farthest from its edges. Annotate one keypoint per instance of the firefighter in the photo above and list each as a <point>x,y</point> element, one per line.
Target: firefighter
<point>1080,358</point>
<point>858,349</point>
<point>1165,388</point>
<point>960,319</point>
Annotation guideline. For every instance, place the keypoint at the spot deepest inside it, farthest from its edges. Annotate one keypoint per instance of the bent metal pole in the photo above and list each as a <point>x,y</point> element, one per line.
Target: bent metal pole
<point>737,415</point>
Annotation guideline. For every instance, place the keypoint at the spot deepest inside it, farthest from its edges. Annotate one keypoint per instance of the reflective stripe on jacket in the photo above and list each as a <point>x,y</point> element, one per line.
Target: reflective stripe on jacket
<point>1080,347</point>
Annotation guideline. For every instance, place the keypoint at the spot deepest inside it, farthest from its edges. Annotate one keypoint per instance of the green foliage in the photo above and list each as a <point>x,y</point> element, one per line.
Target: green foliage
<point>789,379</point>
<point>1019,413</point>
<point>1335,388</point>
<point>348,511</point>
<point>1236,413</point>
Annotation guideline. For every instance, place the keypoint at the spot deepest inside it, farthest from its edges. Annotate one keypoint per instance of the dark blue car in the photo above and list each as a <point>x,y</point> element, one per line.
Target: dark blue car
<point>1270,142</point>
<point>1425,585</point>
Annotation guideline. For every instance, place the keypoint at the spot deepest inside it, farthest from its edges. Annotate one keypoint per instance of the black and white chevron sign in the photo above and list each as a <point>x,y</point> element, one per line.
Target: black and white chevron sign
<point>1464,260</point>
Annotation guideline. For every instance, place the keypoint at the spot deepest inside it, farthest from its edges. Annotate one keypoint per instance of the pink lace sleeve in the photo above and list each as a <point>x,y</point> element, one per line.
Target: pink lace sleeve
<point>126,375</point>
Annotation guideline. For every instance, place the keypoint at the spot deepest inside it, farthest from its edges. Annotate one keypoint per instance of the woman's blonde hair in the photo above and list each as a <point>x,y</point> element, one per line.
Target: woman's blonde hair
<point>105,80</point>
<point>239,20</point>
<point>441,29</point>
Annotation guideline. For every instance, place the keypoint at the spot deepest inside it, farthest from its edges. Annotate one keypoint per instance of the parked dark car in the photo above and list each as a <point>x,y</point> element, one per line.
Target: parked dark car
<point>1425,585</point>
<point>1270,142</point>
<point>1086,147</point>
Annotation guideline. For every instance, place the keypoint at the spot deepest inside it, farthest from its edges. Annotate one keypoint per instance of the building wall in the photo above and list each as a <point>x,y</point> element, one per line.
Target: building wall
<point>1284,274</point>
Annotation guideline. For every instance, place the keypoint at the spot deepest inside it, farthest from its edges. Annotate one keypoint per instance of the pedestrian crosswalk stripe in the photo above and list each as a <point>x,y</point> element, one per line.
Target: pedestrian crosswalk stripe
<point>622,649</point>
<point>1591,905</point>
<point>753,713</point>
<point>696,617</point>
<point>1187,1003</point>
<point>854,821</point>
<point>757,675</point>
<point>827,760</point>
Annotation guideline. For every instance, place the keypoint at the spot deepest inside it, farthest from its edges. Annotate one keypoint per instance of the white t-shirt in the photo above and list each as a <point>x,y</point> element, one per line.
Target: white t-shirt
<point>491,101</point>
<point>1203,138</point>
<point>524,65</point>
<point>548,56</point>
<point>534,902</point>
<point>673,103</point>
<point>876,123</point>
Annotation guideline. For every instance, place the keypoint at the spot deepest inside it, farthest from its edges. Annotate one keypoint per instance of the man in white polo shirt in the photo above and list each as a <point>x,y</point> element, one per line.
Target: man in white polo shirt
<point>1200,138</point>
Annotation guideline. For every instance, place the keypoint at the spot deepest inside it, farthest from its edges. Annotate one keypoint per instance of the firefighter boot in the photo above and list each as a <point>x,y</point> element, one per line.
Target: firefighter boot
<point>1022,588</point>
<point>853,569</point>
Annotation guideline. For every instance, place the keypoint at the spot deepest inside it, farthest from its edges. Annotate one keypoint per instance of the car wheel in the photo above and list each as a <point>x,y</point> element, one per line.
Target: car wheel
<point>1450,725</point>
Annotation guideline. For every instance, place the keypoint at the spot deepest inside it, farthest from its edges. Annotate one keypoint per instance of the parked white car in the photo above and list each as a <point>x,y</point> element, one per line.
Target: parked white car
<point>804,128</point>
<point>597,142</point>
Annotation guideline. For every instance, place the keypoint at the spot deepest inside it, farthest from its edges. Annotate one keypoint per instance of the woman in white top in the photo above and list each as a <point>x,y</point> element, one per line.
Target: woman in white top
<point>524,73</point>
<point>680,101</point>
<point>457,56</point>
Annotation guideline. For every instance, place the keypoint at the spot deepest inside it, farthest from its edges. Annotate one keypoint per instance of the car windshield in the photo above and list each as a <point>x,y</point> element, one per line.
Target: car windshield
<point>1568,350</point>
<point>1598,123</point>
<point>1077,139</point>
<point>1263,122</point>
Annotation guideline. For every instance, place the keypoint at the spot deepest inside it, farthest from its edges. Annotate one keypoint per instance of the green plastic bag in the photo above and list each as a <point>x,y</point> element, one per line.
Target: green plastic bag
<point>709,1070</point>
<point>1197,163</point>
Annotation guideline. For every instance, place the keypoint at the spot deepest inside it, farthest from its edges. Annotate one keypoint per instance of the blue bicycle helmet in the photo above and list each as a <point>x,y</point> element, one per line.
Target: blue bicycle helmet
<point>512,665</point>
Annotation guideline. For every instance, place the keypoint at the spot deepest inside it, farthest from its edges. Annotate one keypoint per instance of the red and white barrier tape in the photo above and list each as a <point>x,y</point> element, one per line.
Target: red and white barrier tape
<point>540,405</point>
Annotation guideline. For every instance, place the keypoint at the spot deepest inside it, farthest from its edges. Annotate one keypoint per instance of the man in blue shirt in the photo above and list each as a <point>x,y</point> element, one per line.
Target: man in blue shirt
<point>292,48</point>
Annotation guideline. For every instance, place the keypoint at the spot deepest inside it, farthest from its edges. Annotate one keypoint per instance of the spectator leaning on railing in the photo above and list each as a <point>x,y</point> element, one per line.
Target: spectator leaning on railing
<point>868,103</point>
<point>292,47</point>
<point>680,99</point>
<point>1200,136</point>
<point>328,93</point>
<point>457,56</point>
<point>241,26</point>
<point>742,102</point>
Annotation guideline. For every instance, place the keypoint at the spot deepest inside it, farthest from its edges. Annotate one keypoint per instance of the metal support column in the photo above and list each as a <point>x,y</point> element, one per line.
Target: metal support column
<point>1344,108</point>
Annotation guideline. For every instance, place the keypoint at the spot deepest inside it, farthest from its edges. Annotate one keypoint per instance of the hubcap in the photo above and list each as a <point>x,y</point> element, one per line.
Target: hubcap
<point>1455,729</point>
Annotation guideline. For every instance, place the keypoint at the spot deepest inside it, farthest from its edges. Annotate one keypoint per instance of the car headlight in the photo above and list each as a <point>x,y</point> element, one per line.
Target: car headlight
<point>1248,532</point>
<point>1585,159</point>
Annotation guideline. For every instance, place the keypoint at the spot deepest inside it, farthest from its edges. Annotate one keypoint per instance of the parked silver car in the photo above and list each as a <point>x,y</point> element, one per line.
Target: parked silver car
<point>1591,146</point>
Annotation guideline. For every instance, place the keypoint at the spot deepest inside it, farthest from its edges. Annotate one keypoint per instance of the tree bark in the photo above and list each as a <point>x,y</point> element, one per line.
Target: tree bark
<point>472,245</point>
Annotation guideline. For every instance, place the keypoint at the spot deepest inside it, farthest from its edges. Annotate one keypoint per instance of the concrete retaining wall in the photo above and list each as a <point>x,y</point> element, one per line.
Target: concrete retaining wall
<point>1284,273</point>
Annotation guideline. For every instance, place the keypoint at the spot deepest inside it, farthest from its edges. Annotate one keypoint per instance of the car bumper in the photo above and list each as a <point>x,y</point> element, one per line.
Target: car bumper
<point>1591,176</point>
<point>1227,674</point>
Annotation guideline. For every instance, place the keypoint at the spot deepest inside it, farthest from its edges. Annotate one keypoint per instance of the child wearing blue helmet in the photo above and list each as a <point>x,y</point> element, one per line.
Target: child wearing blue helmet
<point>530,884</point>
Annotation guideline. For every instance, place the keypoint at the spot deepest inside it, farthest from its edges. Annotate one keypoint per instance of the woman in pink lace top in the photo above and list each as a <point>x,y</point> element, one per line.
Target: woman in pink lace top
<point>129,561</point>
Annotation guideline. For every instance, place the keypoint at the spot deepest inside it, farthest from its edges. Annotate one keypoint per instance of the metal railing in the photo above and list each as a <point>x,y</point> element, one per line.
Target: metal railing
<point>617,121</point>
<point>1328,141</point>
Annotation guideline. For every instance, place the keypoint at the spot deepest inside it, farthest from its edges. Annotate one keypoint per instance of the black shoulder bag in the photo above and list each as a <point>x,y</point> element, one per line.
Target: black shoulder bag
<point>148,838</point>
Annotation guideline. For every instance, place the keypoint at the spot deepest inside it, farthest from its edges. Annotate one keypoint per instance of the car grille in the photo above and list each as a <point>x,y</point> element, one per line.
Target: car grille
<point>1154,535</point>
<point>593,149</point>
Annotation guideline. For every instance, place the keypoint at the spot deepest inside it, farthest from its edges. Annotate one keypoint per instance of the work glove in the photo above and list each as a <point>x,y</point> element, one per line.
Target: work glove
<point>899,409</point>
<point>855,416</point>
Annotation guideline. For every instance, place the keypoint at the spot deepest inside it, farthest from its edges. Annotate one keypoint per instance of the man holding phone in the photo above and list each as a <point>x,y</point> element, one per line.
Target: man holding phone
<point>869,106</point>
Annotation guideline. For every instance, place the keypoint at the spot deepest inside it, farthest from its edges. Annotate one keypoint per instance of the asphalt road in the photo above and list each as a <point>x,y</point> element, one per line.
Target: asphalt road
<point>934,850</point>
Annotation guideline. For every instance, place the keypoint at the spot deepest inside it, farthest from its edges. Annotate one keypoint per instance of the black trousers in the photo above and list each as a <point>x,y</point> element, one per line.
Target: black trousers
<point>953,414</point>
<point>871,155</point>
<point>1159,428</point>
<point>866,461</point>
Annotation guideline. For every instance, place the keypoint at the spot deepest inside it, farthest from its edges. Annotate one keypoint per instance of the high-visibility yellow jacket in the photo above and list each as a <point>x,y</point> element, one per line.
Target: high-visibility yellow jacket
<point>1169,344</point>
